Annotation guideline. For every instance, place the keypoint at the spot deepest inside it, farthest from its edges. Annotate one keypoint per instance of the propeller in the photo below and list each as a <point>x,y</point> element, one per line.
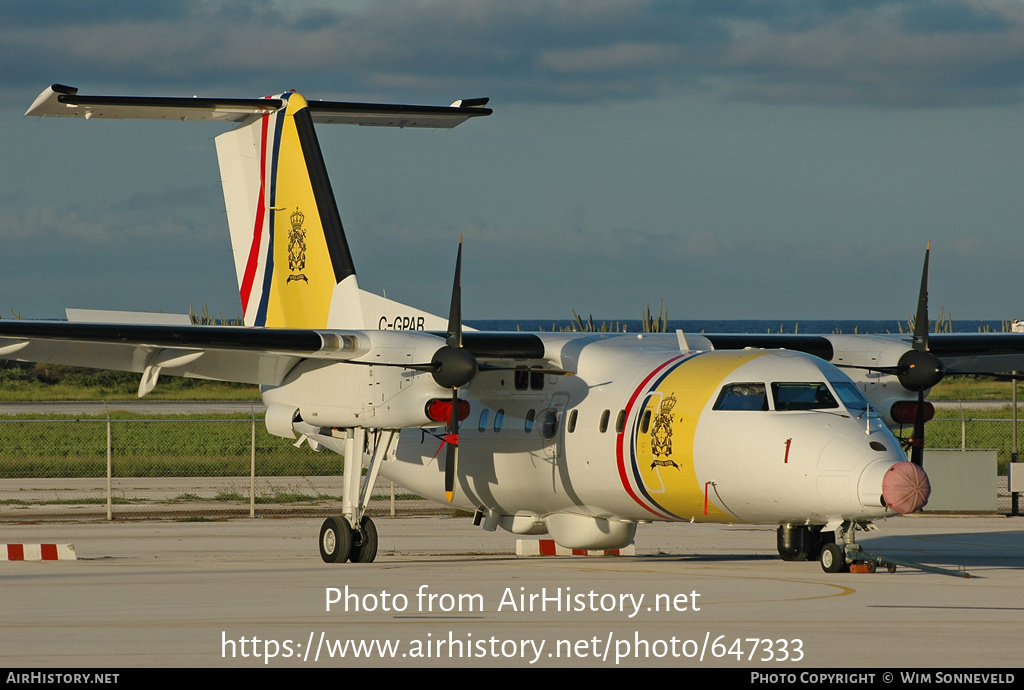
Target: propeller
<point>918,369</point>
<point>453,366</point>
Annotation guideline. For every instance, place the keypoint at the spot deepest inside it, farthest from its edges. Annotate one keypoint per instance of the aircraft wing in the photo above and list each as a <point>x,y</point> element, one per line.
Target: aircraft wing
<point>959,352</point>
<point>224,353</point>
<point>65,101</point>
<point>981,352</point>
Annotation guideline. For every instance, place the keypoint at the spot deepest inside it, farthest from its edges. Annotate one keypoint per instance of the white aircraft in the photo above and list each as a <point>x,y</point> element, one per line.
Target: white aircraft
<point>581,436</point>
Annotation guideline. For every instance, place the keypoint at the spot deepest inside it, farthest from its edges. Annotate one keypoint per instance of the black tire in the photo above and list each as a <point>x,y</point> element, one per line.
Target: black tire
<point>833,559</point>
<point>364,542</point>
<point>335,540</point>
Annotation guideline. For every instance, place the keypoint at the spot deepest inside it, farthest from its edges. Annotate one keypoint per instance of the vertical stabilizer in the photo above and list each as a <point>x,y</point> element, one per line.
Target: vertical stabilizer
<point>292,260</point>
<point>291,256</point>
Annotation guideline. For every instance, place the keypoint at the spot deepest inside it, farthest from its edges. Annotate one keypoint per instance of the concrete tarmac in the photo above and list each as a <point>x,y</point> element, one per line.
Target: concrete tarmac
<point>442,592</point>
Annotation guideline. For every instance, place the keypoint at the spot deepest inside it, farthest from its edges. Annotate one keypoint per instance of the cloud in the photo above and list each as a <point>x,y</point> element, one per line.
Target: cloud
<point>900,53</point>
<point>184,214</point>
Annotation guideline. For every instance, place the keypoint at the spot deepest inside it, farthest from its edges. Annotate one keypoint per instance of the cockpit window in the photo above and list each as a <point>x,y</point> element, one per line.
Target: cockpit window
<point>742,396</point>
<point>803,396</point>
<point>852,398</point>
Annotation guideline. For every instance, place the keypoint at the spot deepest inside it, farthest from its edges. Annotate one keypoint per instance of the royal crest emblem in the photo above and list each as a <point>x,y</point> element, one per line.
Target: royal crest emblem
<point>661,434</point>
<point>297,248</point>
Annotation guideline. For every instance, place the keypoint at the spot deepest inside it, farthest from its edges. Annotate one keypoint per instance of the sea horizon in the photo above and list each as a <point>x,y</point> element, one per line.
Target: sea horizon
<point>790,326</point>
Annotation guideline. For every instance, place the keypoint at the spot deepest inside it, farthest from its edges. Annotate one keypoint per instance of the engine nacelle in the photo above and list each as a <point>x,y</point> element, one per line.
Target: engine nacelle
<point>375,392</point>
<point>882,390</point>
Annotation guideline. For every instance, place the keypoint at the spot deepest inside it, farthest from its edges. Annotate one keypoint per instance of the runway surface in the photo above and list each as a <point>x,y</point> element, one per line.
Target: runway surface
<point>443,592</point>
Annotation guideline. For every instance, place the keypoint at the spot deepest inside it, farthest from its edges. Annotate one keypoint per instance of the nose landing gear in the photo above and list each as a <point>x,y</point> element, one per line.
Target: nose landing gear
<point>850,557</point>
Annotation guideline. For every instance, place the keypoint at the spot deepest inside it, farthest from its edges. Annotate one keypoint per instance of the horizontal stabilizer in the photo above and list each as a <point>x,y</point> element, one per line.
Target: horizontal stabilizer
<point>65,101</point>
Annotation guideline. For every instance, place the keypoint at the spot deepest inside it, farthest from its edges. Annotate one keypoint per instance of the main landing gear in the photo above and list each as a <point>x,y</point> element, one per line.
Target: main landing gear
<point>339,542</point>
<point>352,536</point>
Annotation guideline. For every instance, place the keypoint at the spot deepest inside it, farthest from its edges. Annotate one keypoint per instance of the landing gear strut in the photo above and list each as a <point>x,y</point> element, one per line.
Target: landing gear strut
<point>340,541</point>
<point>835,558</point>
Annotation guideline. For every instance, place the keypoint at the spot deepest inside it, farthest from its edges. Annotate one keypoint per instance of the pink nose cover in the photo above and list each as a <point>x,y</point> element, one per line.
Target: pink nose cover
<point>905,488</point>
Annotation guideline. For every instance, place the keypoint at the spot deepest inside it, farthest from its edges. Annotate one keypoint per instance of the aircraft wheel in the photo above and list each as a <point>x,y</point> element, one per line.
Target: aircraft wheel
<point>335,540</point>
<point>364,542</point>
<point>833,559</point>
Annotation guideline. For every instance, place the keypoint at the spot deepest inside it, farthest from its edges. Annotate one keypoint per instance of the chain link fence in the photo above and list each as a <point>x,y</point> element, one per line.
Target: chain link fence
<point>182,468</point>
<point>208,467</point>
<point>972,433</point>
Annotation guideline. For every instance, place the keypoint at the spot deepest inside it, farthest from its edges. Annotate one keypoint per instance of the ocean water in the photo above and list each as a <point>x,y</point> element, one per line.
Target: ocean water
<point>739,325</point>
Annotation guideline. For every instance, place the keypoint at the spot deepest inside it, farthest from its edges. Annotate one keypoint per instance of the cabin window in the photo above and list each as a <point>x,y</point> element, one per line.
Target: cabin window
<point>742,396</point>
<point>645,422</point>
<point>572,421</point>
<point>537,380</point>
<point>852,398</point>
<point>499,419</point>
<point>803,396</point>
<point>484,415</point>
<point>528,425</point>
<point>620,421</point>
<point>603,426</point>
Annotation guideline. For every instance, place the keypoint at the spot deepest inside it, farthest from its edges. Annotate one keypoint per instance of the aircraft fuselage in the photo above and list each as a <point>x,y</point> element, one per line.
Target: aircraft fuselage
<point>724,436</point>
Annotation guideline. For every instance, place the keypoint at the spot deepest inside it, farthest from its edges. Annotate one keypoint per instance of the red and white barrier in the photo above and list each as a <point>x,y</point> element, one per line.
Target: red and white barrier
<point>37,552</point>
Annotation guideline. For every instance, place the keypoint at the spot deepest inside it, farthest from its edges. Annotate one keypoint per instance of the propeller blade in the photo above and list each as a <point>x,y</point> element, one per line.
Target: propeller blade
<point>921,320</point>
<point>452,452</point>
<point>917,440</point>
<point>1004,375</point>
<point>919,368</point>
<point>454,339</point>
<point>924,369</point>
<point>538,370</point>
<point>456,366</point>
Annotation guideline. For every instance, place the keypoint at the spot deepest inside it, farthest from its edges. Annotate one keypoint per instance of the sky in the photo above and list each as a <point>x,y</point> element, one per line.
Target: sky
<point>733,159</point>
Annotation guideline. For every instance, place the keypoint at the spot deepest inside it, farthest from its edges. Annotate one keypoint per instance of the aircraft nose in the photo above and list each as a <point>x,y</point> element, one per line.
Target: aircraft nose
<point>905,488</point>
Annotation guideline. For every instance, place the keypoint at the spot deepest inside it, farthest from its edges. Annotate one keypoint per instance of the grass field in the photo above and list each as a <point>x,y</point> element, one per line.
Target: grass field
<point>972,388</point>
<point>152,446</point>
